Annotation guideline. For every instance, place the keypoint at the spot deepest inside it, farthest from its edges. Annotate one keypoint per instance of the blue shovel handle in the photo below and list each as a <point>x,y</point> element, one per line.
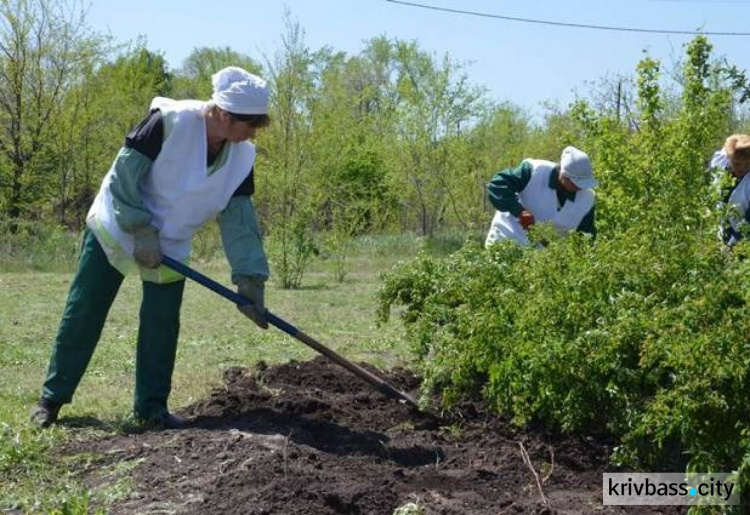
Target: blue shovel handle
<point>379,384</point>
<point>226,293</point>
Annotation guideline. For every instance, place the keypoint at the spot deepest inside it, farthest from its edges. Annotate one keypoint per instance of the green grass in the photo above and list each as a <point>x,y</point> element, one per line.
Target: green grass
<point>214,336</point>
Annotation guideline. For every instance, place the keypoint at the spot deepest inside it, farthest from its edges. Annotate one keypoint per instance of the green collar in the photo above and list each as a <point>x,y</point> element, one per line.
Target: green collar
<point>563,195</point>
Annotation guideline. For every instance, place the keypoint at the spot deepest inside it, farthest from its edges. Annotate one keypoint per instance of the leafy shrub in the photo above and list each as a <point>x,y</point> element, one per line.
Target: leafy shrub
<point>640,336</point>
<point>291,249</point>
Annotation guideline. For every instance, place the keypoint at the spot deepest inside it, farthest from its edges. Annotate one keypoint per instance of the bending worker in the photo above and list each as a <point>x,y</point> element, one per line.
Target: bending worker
<point>543,191</point>
<point>185,163</point>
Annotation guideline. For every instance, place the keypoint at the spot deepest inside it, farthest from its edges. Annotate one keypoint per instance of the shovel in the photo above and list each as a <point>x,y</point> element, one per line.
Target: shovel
<point>379,384</point>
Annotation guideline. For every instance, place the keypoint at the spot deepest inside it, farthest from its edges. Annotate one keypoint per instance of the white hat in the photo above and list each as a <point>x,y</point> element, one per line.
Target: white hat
<point>576,166</point>
<point>239,91</point>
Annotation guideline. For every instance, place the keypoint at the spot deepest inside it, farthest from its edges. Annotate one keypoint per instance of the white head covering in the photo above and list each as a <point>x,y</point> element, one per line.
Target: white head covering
<point>576,166</point>
<point>239,91</point>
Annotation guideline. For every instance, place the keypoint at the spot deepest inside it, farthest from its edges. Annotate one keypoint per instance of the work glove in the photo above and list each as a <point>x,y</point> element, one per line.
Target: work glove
<point>147,252</point>
<point>253,290</point>
<point>526,219</point>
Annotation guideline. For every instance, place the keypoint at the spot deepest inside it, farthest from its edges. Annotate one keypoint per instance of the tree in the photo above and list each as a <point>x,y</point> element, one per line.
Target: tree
<point>289,198</point>
<point>193,79</point>
<point>503,136</point>
<point>109,100</point>
<point>436,106</point>
<point>352,135</point>
<point>44,49</point>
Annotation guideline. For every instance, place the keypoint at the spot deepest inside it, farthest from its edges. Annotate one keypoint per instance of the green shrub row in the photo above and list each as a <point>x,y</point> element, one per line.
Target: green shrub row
<point>642,337</point>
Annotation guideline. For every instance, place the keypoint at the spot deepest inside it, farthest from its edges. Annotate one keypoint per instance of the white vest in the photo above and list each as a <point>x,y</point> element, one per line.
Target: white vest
<point>541,201</point>
<point>177,190</point>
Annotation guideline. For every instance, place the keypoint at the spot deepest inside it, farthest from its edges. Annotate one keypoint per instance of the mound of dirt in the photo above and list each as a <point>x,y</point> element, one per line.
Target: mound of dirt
<point>310,438</point>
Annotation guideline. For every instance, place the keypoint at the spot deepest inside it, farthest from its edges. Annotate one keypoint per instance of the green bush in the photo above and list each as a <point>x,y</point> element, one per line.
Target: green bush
<point>642,337</point>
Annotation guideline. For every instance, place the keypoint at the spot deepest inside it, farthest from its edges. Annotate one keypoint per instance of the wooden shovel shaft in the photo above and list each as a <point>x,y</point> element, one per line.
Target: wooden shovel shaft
<point>378,383</point>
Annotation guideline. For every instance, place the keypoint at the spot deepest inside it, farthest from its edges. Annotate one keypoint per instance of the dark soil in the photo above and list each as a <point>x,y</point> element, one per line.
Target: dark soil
<point>311,438</point>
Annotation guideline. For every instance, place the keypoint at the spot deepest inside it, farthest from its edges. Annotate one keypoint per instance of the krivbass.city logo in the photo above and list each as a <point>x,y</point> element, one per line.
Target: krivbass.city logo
<point>670,489</point>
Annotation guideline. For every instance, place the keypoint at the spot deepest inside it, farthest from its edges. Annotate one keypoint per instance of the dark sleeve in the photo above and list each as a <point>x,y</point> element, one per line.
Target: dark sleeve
<point>148,136</point>
<point>505,186</point>
<point>247,188</point>
<point>587,224</point>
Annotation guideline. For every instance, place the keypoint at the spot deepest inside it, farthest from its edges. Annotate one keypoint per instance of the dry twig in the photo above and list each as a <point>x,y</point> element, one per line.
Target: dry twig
<point>551,465</point>
<point>285,452</point>
<point>527,461</point>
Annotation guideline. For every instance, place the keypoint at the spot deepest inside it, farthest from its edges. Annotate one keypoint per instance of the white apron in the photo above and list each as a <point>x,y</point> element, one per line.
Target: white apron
<point>178,190</point>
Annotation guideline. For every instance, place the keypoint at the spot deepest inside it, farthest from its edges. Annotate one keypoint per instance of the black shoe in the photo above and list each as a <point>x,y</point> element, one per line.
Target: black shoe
<point>45,413</point>
<point>167,420</point>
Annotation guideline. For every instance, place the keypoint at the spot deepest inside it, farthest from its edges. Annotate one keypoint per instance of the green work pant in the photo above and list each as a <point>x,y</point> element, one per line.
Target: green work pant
<point>94,288</point>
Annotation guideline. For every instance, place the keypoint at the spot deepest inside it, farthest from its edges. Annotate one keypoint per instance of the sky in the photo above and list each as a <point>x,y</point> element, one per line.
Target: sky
<point>523,63</point>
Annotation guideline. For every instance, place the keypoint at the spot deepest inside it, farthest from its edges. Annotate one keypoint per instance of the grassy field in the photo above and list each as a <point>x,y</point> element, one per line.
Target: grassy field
<point>214,336</point>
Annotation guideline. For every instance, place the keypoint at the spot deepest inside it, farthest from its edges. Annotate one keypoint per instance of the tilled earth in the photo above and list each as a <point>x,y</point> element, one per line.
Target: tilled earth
<point>310,438</point>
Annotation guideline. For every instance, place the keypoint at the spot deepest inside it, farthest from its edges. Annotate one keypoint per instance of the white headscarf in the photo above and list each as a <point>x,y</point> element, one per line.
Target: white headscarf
<point>576,166</point>
<point>239,91</point>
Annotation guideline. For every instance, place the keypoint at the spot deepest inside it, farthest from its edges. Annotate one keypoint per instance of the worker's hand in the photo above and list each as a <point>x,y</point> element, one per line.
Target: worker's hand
<point>253,290</point>
<point>147,252</point>
<point>526,219</point>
